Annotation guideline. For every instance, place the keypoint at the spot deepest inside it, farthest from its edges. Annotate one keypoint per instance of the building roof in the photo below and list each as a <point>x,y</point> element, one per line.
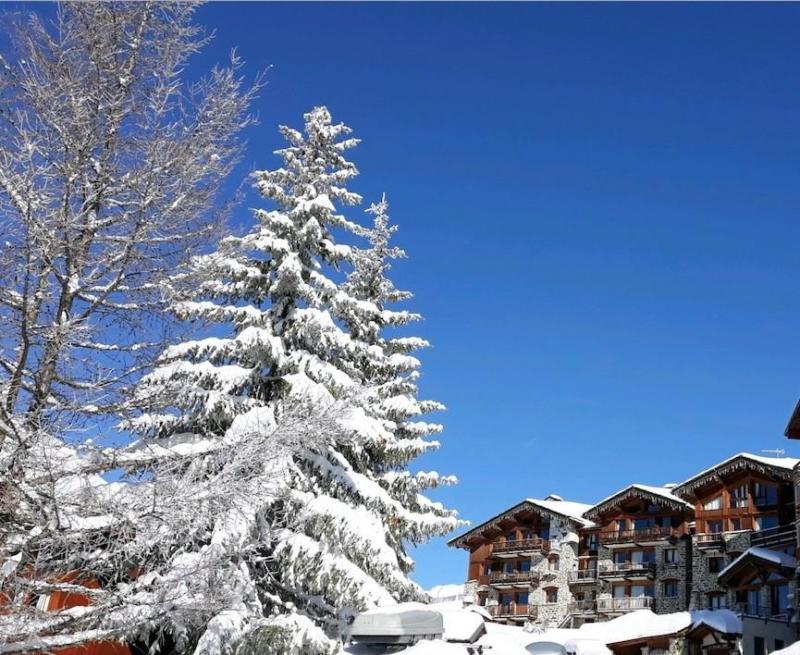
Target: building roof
<point>660,495</point>
<point>645,624</point>
<point>565,508</point>
<point>793,428</point>
<point>776,466</point>
<point>774,559</point>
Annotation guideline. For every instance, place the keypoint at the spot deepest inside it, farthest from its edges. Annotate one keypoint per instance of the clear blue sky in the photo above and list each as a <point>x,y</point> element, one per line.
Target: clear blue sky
<point>601,205</point>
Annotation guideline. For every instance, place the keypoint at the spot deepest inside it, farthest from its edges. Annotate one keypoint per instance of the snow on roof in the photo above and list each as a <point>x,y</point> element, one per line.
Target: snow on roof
<point>662,492</point>
<point>783,463</point>
<point>765,554</point>
<point>794,649</point>
<point>567,508</point>
<point>643,624</point>
<point>446,592</point>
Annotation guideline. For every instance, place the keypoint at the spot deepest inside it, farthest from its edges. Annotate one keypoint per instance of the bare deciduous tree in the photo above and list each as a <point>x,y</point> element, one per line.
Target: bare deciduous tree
<point>110,169</point>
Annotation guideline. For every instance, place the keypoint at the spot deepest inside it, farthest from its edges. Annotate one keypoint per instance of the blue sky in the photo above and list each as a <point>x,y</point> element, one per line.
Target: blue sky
<point>601,206</point>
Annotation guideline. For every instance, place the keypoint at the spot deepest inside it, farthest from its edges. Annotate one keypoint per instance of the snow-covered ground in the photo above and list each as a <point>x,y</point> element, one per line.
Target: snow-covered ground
<point>589,639</point>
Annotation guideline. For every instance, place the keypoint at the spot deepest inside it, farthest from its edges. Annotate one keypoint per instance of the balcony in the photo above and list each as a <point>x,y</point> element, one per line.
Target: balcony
<point>779,536</point>
<point>758,611</point>
<point>513,578</point>
<point>641,537</point>
<point>582,607</point>
<point>630,571</point>
<point>583,576</point>
<point>710,541</point>
<point>626,604</point>
<point>513,611</point>
<point>520,547</point>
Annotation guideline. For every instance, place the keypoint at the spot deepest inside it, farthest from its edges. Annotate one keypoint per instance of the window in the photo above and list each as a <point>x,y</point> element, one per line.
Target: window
<point>716,564</point>
<point>590,541</point>
<point>551,595</point>
<point>511,537</point>
<point>619,559</point>
<point>714,527</point>
<point>670,589</point>
<point>622,525</point>
<point>671,556</point>
<point>553,563</point>
<point>717,601</point>
<point>739,496</point>
<point>735,525</point>
<point>765,522</point>
<point>758,646</point>
<point>713,504</point>
<point>765,494</point>
<point>508,567</point>
<point>779,594</point>
<point>525,565</point>
<point>522,598</point>
<point>644,524</point>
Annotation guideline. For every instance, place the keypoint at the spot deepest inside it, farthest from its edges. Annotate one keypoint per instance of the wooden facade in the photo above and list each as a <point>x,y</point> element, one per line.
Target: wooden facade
<point>643,547</point>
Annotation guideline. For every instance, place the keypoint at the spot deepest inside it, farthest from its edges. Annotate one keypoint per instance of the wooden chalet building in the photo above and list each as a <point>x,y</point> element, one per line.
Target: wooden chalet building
<point>643,549</point>
<point>520,561</point>
<point>724,538</point>
<point>744,501</point>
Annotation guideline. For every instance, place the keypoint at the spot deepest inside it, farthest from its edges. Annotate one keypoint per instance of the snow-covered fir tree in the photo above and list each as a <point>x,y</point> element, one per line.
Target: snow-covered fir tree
<point>328,539</point>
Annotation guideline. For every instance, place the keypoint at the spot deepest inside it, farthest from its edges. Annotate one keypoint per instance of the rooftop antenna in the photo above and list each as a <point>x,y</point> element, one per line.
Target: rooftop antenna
<point>778,452</point>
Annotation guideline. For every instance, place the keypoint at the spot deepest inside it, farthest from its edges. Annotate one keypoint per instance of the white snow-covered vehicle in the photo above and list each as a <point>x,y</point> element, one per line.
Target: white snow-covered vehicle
<point>399,625</point>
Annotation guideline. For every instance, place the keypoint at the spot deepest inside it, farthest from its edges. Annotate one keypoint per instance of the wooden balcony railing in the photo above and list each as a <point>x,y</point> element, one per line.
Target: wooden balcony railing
<point>521,546</point>
<point>513,609</point>
<point>583,575</point>
<point>709,539</point>
<point>624,604</point>
<point>629,568</point>
<point>644,534</point>
<point>513,576</point>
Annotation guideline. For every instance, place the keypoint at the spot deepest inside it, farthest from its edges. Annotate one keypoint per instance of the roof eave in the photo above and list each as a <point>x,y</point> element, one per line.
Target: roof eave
<point>793,427</point>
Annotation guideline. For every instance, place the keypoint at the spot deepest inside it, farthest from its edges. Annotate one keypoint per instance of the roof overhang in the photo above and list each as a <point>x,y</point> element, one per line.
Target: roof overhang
<point>633,492</point>
<point>793,428</point>
<point>736,464</point>
<point>526,506</point>
<point>754,562</point>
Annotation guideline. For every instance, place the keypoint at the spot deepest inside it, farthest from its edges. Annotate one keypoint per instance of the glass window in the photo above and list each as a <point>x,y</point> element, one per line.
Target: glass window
<point>780,598</point>
<point>671,555</point>
<point>736,525</point>
<point>716,601</point>
<point>553,564</point>
<point>765,494</point>
<point>714,503</point>
<point>619,591</point>
<point>716,564</point>
<point>766,522</point>
<point>670,588</point>
<point>753,602</point>
<point>739,496</point>
<point>644,524</point>
<point>552,595</point>
<point>508,567</point>
<point>622,525</point>
<point>525,565</point>
<point>619,558</point>
<point>522,598</point>
<point>714,527</point>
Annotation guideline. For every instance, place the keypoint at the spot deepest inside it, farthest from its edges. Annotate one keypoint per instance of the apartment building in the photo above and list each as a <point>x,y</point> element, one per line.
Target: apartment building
<point>725,538</point>
<point>745,501</point>
<point>520,560</point>
<point>643,550</point>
